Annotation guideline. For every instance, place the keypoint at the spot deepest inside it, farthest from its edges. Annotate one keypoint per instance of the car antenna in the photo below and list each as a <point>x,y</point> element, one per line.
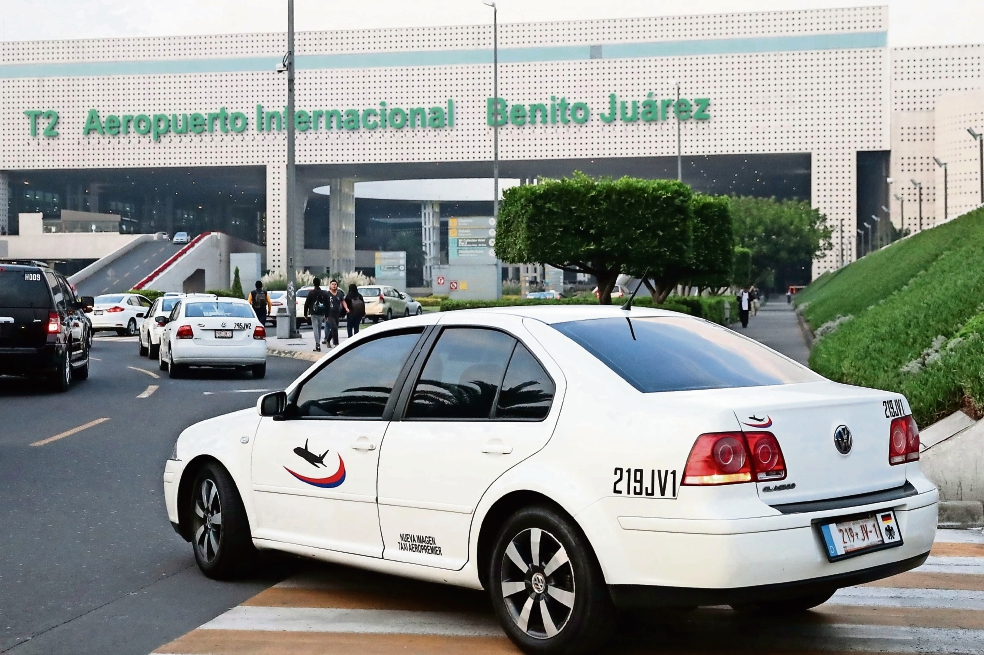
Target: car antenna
<point>628,303</point>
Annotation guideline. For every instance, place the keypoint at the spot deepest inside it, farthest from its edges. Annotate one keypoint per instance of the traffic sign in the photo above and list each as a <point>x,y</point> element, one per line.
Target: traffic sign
<point>453,286</point>
<point>440,280</point>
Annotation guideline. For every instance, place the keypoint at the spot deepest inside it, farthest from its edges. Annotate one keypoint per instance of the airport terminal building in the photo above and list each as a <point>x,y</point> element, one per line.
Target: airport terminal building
<point>187,133</point>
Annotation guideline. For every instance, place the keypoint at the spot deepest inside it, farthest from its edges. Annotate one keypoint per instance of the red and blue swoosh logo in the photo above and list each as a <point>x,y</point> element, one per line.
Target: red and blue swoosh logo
<point>332,481</point>
<point>767,423</point>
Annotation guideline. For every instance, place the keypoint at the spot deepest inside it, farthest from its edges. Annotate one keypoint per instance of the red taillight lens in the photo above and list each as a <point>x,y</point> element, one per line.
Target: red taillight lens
<point>54,323</point>
<point>903,441</point>
<point>113,310</point>
<point>381,299</point>
<point>185,332</point>
<point>733,457</point>
<point>767,461</point>
<point>259,332</point>
<point>718,458</point>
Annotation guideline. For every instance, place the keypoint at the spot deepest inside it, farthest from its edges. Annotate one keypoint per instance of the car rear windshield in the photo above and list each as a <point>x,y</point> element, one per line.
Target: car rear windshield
<point>23,289</point>
<point>369,291</point>
<point>219,310</point>
<point>108,300</point>
<point>681,354</point>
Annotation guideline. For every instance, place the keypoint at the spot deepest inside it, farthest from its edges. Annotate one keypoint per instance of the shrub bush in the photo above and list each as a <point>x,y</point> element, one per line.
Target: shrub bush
<point>149,294</point>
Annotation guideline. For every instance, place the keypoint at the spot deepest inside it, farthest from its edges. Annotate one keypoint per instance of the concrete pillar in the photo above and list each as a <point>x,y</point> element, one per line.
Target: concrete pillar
<point>430,219</point>
<point>4,204</point>
<point>341,226</point>
<point>94,192</point>
<point>276,202</point>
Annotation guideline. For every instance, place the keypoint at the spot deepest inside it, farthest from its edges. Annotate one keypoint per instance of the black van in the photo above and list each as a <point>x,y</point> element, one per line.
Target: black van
<point>44,331</point>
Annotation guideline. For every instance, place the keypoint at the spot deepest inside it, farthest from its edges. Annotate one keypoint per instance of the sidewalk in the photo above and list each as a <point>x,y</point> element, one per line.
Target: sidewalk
<point>776,326</point>
<point>303,347</point>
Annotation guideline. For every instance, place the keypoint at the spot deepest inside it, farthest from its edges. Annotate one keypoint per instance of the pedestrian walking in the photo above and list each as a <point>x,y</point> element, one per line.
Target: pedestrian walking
<point>316,306</point>
<point>356,309</point>
<point>754,295</point>
<point>744,304</point>
<point>336,310</point>
<point>789,296</point>
<point>260,300</point>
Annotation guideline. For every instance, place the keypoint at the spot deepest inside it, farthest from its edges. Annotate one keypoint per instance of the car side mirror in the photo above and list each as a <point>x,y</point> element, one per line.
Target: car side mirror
<point>161,320</point>
<point>272,404</point>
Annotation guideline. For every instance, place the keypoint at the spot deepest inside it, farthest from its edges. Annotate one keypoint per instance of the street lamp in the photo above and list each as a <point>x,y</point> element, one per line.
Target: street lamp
<point>290,233</point>
<point>877,225</point>
<point>980,142</point>
<point>861,232</point>
<point>868,225</point>
<point>901,200</point>
<point>679,150</point>
<point>918,185</point>
<point>495,110</point>
<point>946,210</point>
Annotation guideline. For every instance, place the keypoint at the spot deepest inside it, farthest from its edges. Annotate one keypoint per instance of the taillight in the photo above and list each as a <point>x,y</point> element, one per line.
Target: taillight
<point>733,457</point>
<point>259,332</point>
<point>903,441</point>
<point>113,310</point>
<point>54,323</point>
<point>718,458</point>
<point>381,299</point>
<point>185,332</point>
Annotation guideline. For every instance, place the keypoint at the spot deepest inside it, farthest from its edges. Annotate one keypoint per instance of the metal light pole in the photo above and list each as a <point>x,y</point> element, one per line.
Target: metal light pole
<point>861,232</point>
<point>495,108</point>
<point>679,141</point>
<point>290,232</point>
<point>868,225</point>
<point>946,190</point>
<point>877,225</point>
<point>918,185</point>
<point>980,142</point>
<point>901,200</point>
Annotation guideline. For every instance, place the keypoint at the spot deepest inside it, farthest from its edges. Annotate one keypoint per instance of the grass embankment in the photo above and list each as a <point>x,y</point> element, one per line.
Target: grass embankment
<point>916,323</point>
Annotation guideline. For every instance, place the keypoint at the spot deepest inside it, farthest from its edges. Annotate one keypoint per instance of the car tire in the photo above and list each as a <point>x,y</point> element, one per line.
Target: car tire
<point>144,350</point>
<point>120,333</point>
<point>153,351</point>
<point>82,372</point>
<point>563,579</point>
<point>420,310</point>
<point>62,379</point>
<point>259,371</point>
<point>161,364</point>
<point>786,606</point>
<point>389,314</point>
<point>374,319</point>
<point>175,371</point>
<point>223,549</point>
<point>406,312</point>
<point>131,328</point>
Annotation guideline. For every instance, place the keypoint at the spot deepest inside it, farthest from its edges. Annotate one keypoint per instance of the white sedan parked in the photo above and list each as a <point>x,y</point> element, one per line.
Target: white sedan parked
<point>729,474</point>
<point>120,312</point>
<point>221,332</point>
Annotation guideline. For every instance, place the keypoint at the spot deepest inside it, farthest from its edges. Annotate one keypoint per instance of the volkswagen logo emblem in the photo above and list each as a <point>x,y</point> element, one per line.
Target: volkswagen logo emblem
<point>223,325</point>
<point>843,440</point>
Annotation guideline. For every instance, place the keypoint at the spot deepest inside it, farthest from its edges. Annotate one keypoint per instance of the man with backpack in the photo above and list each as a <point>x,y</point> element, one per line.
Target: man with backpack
<point>336,310</point>
<point>316,306</point>
<point>260,300</point>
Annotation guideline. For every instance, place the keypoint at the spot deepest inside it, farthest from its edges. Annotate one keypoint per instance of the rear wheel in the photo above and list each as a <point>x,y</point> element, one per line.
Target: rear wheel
<point>144,350</point>
<point>82,372</point>
<point>389,314</point>
<point>174,371</point>
<point>220,533</point>
<point>161,364</point>
<point>420,310</point>
<point>259,371</point>
<point>62,379</point>
<point>546,586</point>
<point>131,327</point>
<point>406,312</point>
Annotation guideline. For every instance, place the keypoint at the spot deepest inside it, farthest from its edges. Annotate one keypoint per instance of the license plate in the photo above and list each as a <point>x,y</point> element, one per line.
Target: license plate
<point>859,535</point>
<point>97,312</point>
<point>223,334</point>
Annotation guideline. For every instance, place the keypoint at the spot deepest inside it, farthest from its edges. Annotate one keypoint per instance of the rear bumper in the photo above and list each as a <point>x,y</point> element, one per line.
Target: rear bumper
<point>108,321</point>
<point>238,355</point>
<point>31,361</point>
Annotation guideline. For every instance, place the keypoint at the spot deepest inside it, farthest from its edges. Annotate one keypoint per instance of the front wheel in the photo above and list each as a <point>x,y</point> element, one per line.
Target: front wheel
<point>131,328</point>
<point>220,532</point>
<point>547,588</point>
<point>420,310</point>
<point>161,364</point>
<point>153,351</point>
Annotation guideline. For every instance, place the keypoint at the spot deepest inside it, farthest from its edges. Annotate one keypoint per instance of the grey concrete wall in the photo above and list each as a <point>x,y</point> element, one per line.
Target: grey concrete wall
<point>68,246</point>
<point>212,255</point>
<point>956,465</point>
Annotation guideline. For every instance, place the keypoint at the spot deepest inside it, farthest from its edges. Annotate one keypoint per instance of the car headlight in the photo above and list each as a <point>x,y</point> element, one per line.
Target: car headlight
<point>174,451</point>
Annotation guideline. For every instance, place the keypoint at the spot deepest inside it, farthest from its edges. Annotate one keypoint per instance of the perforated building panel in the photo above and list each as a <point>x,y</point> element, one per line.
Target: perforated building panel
<point>778,82</point>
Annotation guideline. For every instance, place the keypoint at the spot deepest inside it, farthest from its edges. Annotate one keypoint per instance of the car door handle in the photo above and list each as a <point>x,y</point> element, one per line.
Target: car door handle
<point>362,443</point>
<point>496,447</point>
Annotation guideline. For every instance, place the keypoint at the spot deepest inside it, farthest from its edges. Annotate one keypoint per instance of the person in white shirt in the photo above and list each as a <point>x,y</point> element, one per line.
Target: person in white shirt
<point>744,304</point>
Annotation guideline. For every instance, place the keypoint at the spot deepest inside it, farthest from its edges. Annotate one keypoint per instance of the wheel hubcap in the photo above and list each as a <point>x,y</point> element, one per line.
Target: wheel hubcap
<point>537,583</point>
<point>208,508</point>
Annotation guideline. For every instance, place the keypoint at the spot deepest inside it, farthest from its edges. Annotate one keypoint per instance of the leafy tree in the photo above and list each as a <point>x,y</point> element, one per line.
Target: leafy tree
<point>784,237</point>
<point>600,227</point>
<point>237,285</point>
<point>741,270</point>
<point>708,261</point>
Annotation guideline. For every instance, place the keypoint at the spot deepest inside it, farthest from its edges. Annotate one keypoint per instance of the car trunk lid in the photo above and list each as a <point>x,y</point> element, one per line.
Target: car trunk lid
<point>223,331</point>
<point>25,302</point>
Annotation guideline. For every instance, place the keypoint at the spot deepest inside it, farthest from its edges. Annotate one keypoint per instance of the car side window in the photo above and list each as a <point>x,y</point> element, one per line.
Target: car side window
<point>358,383</point>
<point>527,390</point>
<point>143,302</point>
<point>175,312</point>
<point>462,375</point>
<point>56,291</point>
<point>67,292</point>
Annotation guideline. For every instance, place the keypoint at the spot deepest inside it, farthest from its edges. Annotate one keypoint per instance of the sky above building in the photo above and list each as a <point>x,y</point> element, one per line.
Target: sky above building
<point>912,22</point>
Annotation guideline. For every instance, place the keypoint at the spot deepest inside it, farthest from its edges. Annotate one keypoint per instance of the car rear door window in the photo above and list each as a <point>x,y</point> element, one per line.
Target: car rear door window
<point>358,382</point>
<point>24,289</point>
<point>682,354</point>
<point>462,375</point>
<point>527,390</point>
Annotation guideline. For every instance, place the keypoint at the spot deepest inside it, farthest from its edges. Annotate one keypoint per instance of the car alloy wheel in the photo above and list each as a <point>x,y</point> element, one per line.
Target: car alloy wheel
<point>420,310</point>
<point>208,508</point>
<point>389,314</point>
<point>406,312</point>
<point>131,328</point>
<point>538,586</point>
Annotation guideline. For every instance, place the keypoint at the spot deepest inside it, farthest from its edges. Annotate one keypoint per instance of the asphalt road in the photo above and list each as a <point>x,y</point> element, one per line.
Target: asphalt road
<point>88,560</point>
<point>129,269</point>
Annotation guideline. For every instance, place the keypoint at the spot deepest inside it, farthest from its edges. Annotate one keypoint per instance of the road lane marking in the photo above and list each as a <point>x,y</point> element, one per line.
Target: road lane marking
<point>234,642</point>
<point>95,359</point>
<point>143,370</point>
<point>149,391</point>
<point>69,433</point>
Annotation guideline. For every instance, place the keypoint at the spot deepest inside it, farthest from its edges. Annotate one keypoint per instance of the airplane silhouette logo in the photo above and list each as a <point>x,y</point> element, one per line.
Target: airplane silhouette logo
<point>759,422</point>
<point>330,482</point>
<point>310,457</point>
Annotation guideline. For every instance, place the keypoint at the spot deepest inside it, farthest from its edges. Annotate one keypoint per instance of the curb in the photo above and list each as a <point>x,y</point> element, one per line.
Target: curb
<point>961,514</point>
<point>295,354</point>
<point>805,329</point>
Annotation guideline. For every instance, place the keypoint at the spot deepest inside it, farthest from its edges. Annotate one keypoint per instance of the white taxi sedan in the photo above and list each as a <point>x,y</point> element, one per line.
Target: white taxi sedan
<point>120,312</point>
<point>217,332</point>
<point>481,448</point>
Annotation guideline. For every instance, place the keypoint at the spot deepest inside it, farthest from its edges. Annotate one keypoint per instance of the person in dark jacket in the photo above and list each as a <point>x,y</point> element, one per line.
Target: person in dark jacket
<point>744,305</point>
<point>356,309</point>
<point>336,310</point>
<point>316,306</point>
<point>260,301</point>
